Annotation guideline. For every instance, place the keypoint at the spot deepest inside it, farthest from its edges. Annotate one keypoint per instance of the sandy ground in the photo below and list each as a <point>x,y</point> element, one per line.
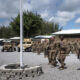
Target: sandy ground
<point>32,59</point>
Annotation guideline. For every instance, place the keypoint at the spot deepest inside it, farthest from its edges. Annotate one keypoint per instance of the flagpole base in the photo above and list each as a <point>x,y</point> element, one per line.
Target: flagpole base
<point>10,72</point>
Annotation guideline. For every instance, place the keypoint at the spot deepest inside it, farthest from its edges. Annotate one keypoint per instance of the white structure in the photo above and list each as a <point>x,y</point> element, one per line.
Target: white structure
<point>1,39</point>
<point>44,36</point>
<point>21,35</point>
<point>66,32</point>
<point>6,40</point>
<point>15,38</point>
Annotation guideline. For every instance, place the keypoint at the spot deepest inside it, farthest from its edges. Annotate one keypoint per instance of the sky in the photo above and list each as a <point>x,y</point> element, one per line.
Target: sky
<point>64,12</point>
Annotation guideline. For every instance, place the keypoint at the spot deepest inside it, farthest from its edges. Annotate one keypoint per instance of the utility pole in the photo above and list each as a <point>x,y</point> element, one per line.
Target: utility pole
<point>21,36</point>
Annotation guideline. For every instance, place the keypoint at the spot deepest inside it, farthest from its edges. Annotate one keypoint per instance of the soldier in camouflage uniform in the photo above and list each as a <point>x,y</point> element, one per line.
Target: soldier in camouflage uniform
<point>52,53</point>
<point>77,48</point>
<point>72,44</point>
<point>47,50</point>
<point>62,53</point>
<point>45,46</point>
<point>38,47</point>
<point>33,47</point>
<point>48,53</point>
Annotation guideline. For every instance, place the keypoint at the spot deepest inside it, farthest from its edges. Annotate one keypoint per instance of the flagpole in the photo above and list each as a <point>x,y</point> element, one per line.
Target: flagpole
<point>21,35</point>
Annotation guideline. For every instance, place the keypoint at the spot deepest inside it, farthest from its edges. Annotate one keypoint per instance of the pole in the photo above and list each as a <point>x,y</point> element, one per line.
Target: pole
<point>21,36</point>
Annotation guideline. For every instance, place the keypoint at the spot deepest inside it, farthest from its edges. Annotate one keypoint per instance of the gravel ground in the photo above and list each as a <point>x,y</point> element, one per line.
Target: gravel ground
<point>32,59</point>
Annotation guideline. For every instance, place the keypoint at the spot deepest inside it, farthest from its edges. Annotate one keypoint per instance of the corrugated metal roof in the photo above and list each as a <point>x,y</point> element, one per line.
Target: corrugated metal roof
<point>72,31</point>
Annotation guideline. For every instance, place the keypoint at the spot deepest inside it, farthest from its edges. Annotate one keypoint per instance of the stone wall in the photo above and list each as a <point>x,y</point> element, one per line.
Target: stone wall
<point>20,74</point>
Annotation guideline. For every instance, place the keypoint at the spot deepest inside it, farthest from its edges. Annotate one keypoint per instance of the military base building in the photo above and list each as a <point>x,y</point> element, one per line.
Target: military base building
<point>72,34</point>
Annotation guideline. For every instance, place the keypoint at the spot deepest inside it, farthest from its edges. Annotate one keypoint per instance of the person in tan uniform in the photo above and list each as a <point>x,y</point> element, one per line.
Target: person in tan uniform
<point>77,48</point>
<point>33,47</point>
<point>48,53</point>
<point>62,53</point>
<point>46,46</point>
<point>38,48</point>
<point>52,53</point>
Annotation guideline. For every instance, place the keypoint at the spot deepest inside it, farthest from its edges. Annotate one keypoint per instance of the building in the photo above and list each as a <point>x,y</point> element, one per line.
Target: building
<point>69,34</point>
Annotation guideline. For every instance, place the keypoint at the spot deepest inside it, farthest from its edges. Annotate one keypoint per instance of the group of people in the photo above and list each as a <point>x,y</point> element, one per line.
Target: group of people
<point>57,50</point>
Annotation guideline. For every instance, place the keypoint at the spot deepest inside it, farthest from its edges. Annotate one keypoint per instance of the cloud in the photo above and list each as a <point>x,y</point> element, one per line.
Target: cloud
<point>11,7</point>
<point>70,5</point>
<point>63,10</point>
<point>26,7</point>
<point>77,21</point>
<point>63,17</point>
<point>44,14</point>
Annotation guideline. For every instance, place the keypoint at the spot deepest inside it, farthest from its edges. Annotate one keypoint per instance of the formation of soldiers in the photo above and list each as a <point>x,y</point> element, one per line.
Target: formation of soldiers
<point>57,50</point>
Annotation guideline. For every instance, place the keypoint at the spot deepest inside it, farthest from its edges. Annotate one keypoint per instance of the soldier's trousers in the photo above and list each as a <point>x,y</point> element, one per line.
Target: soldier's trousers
<point>61,59</point>
<point>52,57</point>
<point>78,53</point>
<point>45,53</point>
<point>38,50</point>
<point>49,56</point>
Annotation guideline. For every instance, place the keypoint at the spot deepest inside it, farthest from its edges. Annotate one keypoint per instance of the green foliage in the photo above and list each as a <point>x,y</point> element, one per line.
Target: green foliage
<point>33,25</point>
<point>6,32</point>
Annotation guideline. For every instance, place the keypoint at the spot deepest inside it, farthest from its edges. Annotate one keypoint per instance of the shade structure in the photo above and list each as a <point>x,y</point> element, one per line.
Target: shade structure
<point>43,36</point>
<point>1,39</point>
<point>15,38</point>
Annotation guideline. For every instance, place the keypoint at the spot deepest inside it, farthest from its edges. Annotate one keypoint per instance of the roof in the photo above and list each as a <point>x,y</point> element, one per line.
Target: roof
<point>1,39</point>
<point>43,36</point>
<point>66,32</point>
<point>15,38</point>
<point>6,40</point>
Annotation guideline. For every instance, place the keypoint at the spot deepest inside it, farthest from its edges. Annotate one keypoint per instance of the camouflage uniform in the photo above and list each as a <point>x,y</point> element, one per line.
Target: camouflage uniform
<point>46,47</point>
<point>62,54</point>
<point>38,48</point>
<point>72,46</point>
<point>33,47</point>
<point>77,49</point>
<point>48,53</point>
<point>53,54</point>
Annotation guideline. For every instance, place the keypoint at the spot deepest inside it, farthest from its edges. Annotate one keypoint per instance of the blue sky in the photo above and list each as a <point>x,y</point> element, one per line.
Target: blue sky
<point>64,12</point>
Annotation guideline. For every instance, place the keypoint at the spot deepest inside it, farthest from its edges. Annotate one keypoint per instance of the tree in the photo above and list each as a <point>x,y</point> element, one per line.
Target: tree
<point>32,24</point>
<point>6,32</point>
